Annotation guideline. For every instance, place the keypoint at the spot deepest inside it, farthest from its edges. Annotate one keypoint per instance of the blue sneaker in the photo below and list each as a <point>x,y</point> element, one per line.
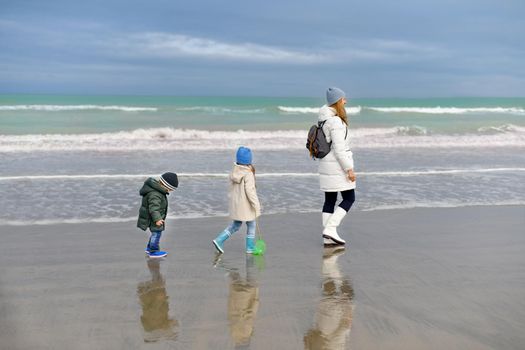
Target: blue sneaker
<point>157,254</point>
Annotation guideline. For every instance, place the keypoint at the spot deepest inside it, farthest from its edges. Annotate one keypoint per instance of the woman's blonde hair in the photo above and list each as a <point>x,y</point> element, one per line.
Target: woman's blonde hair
<point>340,110</point>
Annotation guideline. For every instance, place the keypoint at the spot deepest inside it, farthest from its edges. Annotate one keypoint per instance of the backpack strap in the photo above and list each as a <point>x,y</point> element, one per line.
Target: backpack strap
<point>320,126</point>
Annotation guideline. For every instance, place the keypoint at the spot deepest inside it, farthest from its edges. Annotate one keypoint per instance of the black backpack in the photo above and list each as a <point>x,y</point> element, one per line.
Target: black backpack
<point>316,143</point>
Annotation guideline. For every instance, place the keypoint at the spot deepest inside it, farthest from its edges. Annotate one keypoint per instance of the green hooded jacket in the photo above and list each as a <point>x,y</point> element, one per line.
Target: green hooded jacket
<point>154,205</point>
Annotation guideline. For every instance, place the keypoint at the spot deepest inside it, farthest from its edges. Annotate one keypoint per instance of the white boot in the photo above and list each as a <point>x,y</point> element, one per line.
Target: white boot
<point>330,231</point>
<point>327,241</point>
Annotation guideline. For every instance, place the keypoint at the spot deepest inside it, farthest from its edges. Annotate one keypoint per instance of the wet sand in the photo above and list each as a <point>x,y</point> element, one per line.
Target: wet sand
<point>410,279</point>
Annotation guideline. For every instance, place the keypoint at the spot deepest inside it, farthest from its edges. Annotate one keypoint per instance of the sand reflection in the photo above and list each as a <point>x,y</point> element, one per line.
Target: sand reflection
<point>243,299</point>
<point>154,300</point>
<point>333,318</point>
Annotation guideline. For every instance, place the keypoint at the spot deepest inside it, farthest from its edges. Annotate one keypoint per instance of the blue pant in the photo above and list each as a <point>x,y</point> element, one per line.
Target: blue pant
<point>154,241</point>
<point>236,225</point>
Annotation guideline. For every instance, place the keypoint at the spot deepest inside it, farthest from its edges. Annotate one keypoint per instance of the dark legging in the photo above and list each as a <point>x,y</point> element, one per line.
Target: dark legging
<point>331,197</point>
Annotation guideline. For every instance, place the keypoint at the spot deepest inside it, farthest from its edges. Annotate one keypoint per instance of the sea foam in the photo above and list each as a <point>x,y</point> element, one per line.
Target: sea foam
<point>120,177</point>
<point>190,139</point>
<point>448,110</point>
<point>420,110</point>
<point>199,215</point>
<point>314,110</point>
<point>58,108</point>
<point>221,110</point>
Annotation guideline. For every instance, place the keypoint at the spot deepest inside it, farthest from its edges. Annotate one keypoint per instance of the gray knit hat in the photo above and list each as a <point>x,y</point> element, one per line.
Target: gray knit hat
<point>333,95</point>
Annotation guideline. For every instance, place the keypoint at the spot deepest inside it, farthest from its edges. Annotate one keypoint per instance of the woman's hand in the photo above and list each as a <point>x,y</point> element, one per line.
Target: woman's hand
<point>350,174</point>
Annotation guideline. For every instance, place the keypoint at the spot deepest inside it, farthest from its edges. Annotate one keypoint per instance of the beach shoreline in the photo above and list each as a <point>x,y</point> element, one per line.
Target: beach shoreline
<point>423,278</point>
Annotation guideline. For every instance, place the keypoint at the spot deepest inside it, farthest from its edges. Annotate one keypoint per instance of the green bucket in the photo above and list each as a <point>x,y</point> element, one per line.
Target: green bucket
<point>260,247</point>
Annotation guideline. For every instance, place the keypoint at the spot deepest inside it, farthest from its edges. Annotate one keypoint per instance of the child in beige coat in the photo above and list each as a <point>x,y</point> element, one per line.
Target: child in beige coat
<point>244,204</point>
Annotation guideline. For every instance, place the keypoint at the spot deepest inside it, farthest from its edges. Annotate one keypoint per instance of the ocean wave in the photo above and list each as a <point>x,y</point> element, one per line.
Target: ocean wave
<point>120,177</point>
<point>414,205</point>
<point>108,220</point>
<point>150,139</point>
<point>46,222</point>
<point>284,109</point>
<point>218,214</point>
<point>188,139</point>
<point>412,130</point>
<point>314,110</point>
<point>448,110</point>
<point>440,172</point>
<point>58,108</point>
<point>420,110</point>
<point>221,110</point>
<point>505,128</point>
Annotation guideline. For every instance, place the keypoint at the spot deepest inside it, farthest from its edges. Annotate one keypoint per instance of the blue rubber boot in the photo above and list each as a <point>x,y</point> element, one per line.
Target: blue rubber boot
<point>250,244</point>
<point>218,242</point>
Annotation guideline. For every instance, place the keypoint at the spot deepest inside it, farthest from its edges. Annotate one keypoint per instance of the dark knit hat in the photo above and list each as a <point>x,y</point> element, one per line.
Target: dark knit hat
<point>169,180</point>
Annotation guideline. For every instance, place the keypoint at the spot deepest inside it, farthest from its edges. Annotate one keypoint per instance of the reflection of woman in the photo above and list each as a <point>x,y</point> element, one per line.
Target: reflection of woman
<point>333,318</point>
<point>154,301</point>
<point>243,303</point>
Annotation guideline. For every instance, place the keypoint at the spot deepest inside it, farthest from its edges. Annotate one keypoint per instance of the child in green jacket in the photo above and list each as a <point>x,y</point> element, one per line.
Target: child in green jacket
<point>154,208</point>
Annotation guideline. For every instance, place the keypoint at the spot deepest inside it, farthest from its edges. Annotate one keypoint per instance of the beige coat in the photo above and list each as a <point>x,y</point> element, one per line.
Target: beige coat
<point>244,203</point>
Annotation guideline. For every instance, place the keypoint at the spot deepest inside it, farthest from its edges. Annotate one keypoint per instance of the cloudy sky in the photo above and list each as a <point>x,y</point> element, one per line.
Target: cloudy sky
<point>402,48</point>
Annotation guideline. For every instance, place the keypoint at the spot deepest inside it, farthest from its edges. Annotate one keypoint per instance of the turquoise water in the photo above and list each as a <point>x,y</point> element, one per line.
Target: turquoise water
<point>43,114</point>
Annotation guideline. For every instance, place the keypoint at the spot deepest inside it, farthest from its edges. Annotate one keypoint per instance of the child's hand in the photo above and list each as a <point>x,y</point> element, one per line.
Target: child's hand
<point>159,223</point>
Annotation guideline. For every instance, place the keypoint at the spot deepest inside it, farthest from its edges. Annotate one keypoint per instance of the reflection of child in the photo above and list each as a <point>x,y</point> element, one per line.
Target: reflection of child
<point>244,203</point>
<point>243,304</point>
<point>243,301</point>
<point>154,301</point>
<point>154,209</point>
<point>333,318</point>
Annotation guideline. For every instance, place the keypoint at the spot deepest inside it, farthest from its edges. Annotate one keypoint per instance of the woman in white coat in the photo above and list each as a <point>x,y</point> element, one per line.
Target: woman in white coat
<point>336,169</point>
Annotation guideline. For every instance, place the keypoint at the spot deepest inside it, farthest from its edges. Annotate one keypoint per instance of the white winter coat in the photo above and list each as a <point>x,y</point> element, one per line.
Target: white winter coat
<point>334,166</point>
<point>244,203</point>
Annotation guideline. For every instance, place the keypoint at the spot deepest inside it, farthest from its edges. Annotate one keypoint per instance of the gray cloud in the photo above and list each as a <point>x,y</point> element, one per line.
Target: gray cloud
<point>168,45</point>
<point>173,45</point>
<point>376,48</point>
